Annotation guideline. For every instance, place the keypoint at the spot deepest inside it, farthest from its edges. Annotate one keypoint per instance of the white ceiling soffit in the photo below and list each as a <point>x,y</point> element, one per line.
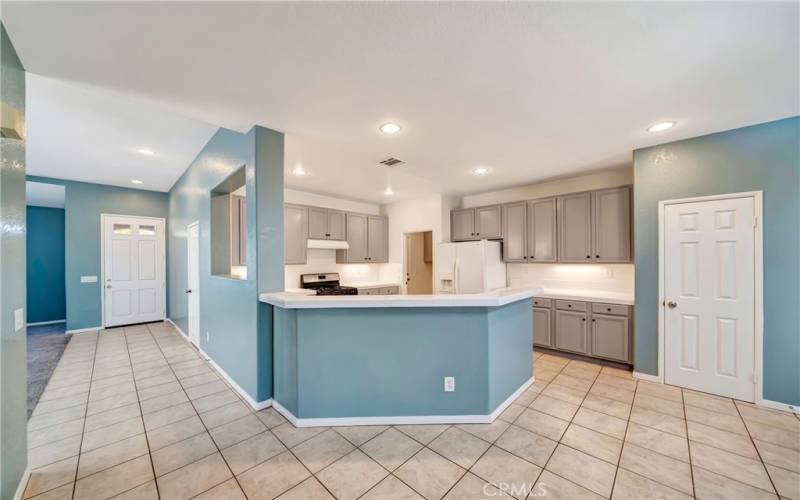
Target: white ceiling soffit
<point>530,90</point>
<point>40,194</point>
<point>81,132</point>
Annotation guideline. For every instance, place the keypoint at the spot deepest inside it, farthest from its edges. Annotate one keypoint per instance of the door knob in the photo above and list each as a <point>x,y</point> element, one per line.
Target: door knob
<point>108,285</point>
<point>672,304</point>
<point>188,290</point>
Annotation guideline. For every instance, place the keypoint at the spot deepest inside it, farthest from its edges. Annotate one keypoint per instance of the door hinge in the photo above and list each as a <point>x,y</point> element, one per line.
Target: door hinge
<point>755,221</point>
<point>753,378</point>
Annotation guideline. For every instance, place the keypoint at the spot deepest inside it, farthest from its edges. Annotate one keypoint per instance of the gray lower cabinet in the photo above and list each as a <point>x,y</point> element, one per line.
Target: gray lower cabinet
<point>571,331</point>
<point>611,238</point>
<point>326,224</point>
<point>610,338</point>
<point>542,327</point>
<point>488,222</point>
<point>575,227</point>
<point>542,242</point>
<point>295,224</point>
<point>462,224</point>
<point>515,220</point>
<point>382,290</point>
<point>377,239</point>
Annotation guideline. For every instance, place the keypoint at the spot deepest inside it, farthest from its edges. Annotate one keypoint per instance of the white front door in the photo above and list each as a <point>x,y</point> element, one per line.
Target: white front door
<point>133,254</point>
<point>709,310</point>
<point>193,282</point>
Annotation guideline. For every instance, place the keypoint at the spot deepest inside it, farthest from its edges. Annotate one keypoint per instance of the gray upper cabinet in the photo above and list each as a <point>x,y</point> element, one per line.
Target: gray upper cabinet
<point>368,239</point>
<point>575,227</point>
<point>295,224</point>
<point>462,224</point>
<point>377,239</point>
<point>571,331</point>
<point>612,225</point>
<point>542,242</point>
<point>542,327</point>
<point>326,224</point>
<point>610,338</point>
<point>514,232</point>
<point>488,222</point>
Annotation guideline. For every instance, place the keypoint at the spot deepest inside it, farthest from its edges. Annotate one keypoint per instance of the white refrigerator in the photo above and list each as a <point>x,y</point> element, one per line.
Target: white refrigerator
<point>471,267</point>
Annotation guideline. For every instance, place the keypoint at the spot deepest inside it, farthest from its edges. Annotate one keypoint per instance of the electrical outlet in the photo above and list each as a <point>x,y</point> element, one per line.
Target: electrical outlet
<point>449,384</point>
<point>208,336</point>
<point>19,319</point>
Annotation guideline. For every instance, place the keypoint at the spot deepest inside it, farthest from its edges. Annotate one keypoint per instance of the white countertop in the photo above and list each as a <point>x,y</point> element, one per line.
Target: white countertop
<point>372,284</point>
<point>500,297</point>
<point>588,296</point>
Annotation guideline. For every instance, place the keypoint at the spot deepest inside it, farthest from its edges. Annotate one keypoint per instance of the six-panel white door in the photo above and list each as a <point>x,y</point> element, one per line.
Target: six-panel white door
<point>134,270</point>
<point>709,279</point>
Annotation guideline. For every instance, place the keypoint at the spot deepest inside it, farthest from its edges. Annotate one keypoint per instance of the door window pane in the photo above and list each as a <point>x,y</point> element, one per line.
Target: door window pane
<point>122,229</point>
<point>147,230</point>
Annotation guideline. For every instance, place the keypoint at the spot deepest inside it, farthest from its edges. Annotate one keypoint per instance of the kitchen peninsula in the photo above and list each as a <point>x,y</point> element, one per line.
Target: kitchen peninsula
<point>361,360</point>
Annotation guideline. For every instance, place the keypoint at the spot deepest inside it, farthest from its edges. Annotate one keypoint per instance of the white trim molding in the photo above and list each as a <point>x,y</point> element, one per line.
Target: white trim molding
<point>399,420</point>
<point>23,483</point>
<point>81,330</point>
<point>758,292</point>
<point>256,405</point>
<point>54,322</point>
<point>647,377</point>
<point>169,320</point>
<point>775,405</point>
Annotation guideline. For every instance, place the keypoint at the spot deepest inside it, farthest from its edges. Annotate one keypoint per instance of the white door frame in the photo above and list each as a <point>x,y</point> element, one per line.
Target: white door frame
<point>103,262</point>
<point>189,332</point>
<point>758,293</point>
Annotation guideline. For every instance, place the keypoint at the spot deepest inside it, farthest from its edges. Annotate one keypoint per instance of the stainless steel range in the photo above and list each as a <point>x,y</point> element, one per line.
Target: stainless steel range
<point>326,284</point>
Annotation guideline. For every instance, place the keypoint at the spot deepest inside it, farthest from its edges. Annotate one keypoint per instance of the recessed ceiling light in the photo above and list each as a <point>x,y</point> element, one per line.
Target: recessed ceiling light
<point>480,171</point>
<point>390,128</point>
<point>146,152</point>
<point>136,181</point>
<point>389,192</point>
<point>299,170</point>
<point>660,126</point>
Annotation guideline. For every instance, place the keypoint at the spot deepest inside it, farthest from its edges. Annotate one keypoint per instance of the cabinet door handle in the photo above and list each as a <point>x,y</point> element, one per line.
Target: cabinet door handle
<point>593,320</point>
<point>596,256</point>
<point>588,256</point>
<point>569,305</point>
<point>583,319</point>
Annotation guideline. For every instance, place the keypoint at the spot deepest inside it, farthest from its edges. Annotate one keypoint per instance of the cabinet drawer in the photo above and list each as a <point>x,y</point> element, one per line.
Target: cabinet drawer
<point>369,291</point>
<point>537,302</point>
<point>615,309</point>
<point>571,305</point>
<point>390,290</point>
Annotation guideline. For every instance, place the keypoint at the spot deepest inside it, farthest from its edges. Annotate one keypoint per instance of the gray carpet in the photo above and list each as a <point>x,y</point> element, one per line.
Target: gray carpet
<point>46,343</point>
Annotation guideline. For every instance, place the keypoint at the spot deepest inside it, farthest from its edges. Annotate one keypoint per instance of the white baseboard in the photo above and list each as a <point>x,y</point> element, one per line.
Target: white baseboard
<point>647,377</point>
<point>779,406</point>
<point>81,330</point>
<point>54,322</point>
<point>256,405</point>
<point>397,420</point>
<point>169,320</point>
<point>23,483</point>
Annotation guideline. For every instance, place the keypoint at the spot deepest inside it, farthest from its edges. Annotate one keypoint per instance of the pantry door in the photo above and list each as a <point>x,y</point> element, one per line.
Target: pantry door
<point>709,281</point>
<point>133,270</point>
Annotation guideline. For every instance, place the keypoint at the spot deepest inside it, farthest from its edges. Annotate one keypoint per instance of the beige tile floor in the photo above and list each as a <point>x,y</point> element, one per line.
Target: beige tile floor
<point>135,413</point>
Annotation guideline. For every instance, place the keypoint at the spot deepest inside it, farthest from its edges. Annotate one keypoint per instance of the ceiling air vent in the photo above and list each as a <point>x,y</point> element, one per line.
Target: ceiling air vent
<point>392,162</point>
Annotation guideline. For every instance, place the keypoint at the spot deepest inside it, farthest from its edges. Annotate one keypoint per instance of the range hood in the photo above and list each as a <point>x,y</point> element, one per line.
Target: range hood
<point>329,244</point>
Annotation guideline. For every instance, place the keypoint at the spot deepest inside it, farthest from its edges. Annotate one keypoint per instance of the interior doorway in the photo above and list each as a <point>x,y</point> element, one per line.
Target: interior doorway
<point>418,263</point>
<point>193,281</point>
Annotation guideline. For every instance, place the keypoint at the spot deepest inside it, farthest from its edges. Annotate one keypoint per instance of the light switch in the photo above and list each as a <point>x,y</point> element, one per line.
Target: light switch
<point>88,279</point>
<point>19,319</point>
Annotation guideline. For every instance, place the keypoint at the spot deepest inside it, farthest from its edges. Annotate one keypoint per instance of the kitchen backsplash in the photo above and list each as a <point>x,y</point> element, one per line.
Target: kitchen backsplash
<point>324,261</point>
<point>605,277</point>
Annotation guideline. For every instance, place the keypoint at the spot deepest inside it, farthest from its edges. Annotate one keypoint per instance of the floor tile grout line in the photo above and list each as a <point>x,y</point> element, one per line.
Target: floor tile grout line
<point>688,445</point>
<point>201,423</point>
<point>83,431</point>
<point>141,413</point>
<point>758,453</point>
<point>624,440</point>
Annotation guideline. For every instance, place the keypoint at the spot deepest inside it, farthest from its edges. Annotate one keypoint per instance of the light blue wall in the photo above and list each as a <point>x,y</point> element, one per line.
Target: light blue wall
<point>239,327</point>
<point>13,393</point>
<point>46,296</point>
<point>762,157</point>
<point>83,204</point>
<point>392,361</point>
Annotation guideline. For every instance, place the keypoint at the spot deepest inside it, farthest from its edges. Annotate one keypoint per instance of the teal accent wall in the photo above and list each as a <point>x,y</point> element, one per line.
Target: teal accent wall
<point>84,202</point>
<point>762,157</point>
<point>46,294</point>
<point>13,389</point>
<point>239,327</point>
<point>355,362</point>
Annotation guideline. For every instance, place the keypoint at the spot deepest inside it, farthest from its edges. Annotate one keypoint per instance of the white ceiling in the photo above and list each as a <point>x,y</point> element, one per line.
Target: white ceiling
<point>39,194</point>
<point>532,90</point>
